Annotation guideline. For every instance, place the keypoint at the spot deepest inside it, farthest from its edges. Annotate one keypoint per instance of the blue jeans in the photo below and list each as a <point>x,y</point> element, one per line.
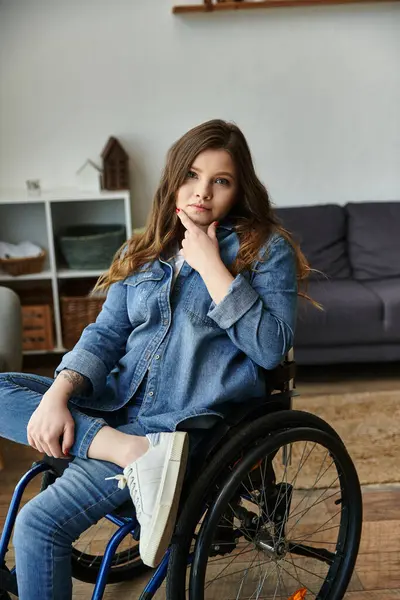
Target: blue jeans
<point>47,526</point>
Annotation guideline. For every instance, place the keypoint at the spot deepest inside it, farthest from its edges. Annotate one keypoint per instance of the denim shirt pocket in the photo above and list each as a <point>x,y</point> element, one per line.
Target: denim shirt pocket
<point>141,288</point>
<point>197,302</point>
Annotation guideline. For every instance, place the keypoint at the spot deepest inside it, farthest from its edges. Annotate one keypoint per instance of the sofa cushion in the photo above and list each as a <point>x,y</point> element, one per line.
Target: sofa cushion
<point>374,239</point>
<point>388,291</point>
<point>352,315</point>
<point>320,231</point>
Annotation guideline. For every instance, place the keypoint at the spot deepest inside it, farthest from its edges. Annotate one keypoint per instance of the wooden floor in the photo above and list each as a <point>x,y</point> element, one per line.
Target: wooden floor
<point>377,575</point>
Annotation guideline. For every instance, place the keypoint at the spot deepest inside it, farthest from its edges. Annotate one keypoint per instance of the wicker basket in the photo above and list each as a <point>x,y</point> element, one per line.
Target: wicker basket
<point>23,266</point>
<point>76,313</point>
<point>37,327</point>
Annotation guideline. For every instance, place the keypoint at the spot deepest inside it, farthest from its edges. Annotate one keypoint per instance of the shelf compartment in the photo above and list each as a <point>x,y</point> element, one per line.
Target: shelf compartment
<point>21,224</point>
<point>88,213</point>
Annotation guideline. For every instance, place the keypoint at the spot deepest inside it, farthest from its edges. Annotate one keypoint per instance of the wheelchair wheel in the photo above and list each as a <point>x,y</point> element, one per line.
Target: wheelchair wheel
<point>89,548</point>
<point>277,514</point>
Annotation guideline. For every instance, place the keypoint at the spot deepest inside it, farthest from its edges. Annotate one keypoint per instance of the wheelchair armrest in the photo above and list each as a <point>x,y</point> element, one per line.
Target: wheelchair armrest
<point>281,375</point>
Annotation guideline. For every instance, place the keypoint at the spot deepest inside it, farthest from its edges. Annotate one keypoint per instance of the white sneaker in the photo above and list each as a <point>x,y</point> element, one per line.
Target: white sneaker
<point>155,483</point>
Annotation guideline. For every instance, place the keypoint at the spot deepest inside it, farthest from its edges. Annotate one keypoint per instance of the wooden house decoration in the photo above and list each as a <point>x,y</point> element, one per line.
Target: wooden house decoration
<point>115,166</point>
<point>89,177</point>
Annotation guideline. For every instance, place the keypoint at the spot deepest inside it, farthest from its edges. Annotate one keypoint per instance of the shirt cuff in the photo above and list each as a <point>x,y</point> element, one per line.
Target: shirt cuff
<point>239,299</point>
<point>87,364</point>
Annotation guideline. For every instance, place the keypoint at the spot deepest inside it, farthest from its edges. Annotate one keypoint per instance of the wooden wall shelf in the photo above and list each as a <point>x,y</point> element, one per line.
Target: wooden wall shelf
<point>247,5</point>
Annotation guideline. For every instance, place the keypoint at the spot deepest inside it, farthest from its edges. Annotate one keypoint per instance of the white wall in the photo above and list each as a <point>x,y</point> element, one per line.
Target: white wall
<point>316,91</point>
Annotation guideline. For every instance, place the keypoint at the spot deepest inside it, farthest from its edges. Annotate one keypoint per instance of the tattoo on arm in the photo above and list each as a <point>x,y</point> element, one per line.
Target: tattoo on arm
<point>80,384</point>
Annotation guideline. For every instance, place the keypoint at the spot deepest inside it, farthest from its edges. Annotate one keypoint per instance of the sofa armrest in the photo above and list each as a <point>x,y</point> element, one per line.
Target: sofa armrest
<point>10,331</point>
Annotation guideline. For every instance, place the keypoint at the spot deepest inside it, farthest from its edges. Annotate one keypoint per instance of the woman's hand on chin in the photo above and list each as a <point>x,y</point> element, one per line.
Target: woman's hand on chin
<point>199,249</point>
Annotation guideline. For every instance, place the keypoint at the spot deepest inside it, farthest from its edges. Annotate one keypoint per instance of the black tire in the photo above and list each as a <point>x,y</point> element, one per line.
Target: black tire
<point>211,487</point>
<point>126,564</point>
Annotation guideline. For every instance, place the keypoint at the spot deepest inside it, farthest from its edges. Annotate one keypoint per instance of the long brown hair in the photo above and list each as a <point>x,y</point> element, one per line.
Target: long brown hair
<point>254,217</point>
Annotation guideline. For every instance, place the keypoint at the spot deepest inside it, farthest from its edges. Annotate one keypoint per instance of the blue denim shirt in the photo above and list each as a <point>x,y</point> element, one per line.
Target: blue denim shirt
<point>196,357</point>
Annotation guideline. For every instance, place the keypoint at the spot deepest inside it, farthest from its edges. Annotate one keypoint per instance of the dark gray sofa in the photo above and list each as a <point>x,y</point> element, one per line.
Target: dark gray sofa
<point>357,247</point>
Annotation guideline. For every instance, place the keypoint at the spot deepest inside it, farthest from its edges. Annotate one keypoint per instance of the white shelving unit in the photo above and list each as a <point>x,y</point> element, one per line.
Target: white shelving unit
<point>39,219</point>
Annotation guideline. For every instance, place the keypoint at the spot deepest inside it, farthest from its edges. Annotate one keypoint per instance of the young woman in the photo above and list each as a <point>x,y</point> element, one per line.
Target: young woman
<point>198,306</point>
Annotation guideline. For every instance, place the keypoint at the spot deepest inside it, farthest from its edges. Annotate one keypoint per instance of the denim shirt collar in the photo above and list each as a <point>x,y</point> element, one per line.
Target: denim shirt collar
<point>155,269</point>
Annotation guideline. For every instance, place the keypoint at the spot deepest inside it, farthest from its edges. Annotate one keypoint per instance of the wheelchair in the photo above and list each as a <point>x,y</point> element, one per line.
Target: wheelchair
<point>271,508</point>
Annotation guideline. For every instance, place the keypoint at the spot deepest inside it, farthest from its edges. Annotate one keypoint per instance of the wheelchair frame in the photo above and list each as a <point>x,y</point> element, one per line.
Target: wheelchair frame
<point>281,386</point>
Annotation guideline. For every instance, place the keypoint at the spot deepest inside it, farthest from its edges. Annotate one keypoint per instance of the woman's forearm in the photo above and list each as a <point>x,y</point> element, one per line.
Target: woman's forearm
<point>68,383</point>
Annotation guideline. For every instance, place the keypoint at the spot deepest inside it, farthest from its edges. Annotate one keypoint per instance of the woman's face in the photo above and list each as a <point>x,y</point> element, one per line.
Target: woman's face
<point>209,191</point>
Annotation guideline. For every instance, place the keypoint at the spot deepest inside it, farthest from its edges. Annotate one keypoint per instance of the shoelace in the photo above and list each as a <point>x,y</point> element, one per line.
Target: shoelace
<point>123,481</point>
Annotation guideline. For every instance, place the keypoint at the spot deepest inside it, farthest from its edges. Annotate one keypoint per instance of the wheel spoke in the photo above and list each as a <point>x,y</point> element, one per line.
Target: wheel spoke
<point>320,530</point>
<point>306,512</point>
<point>314,484</point>
<point>305,570</point>
<point>315,504</point>
<point>244,577</point>
<point>299,581</point>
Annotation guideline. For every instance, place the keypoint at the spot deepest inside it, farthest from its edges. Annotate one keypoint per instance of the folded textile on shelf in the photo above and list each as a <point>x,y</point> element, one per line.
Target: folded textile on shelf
<point>21,250</point>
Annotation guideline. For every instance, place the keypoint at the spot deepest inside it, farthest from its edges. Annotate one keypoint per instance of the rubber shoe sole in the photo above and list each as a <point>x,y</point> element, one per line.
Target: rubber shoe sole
<point>162,525</point>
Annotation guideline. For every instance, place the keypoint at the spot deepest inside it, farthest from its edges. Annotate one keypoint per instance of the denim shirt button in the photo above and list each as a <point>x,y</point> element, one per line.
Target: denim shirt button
<point>151,393</point>
<point>165,322</point>
<point>157,356</point>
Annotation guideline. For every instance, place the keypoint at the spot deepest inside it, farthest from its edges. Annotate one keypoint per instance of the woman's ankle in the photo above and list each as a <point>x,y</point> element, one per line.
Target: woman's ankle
<point>119,448</point>
<point>135,450</point>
